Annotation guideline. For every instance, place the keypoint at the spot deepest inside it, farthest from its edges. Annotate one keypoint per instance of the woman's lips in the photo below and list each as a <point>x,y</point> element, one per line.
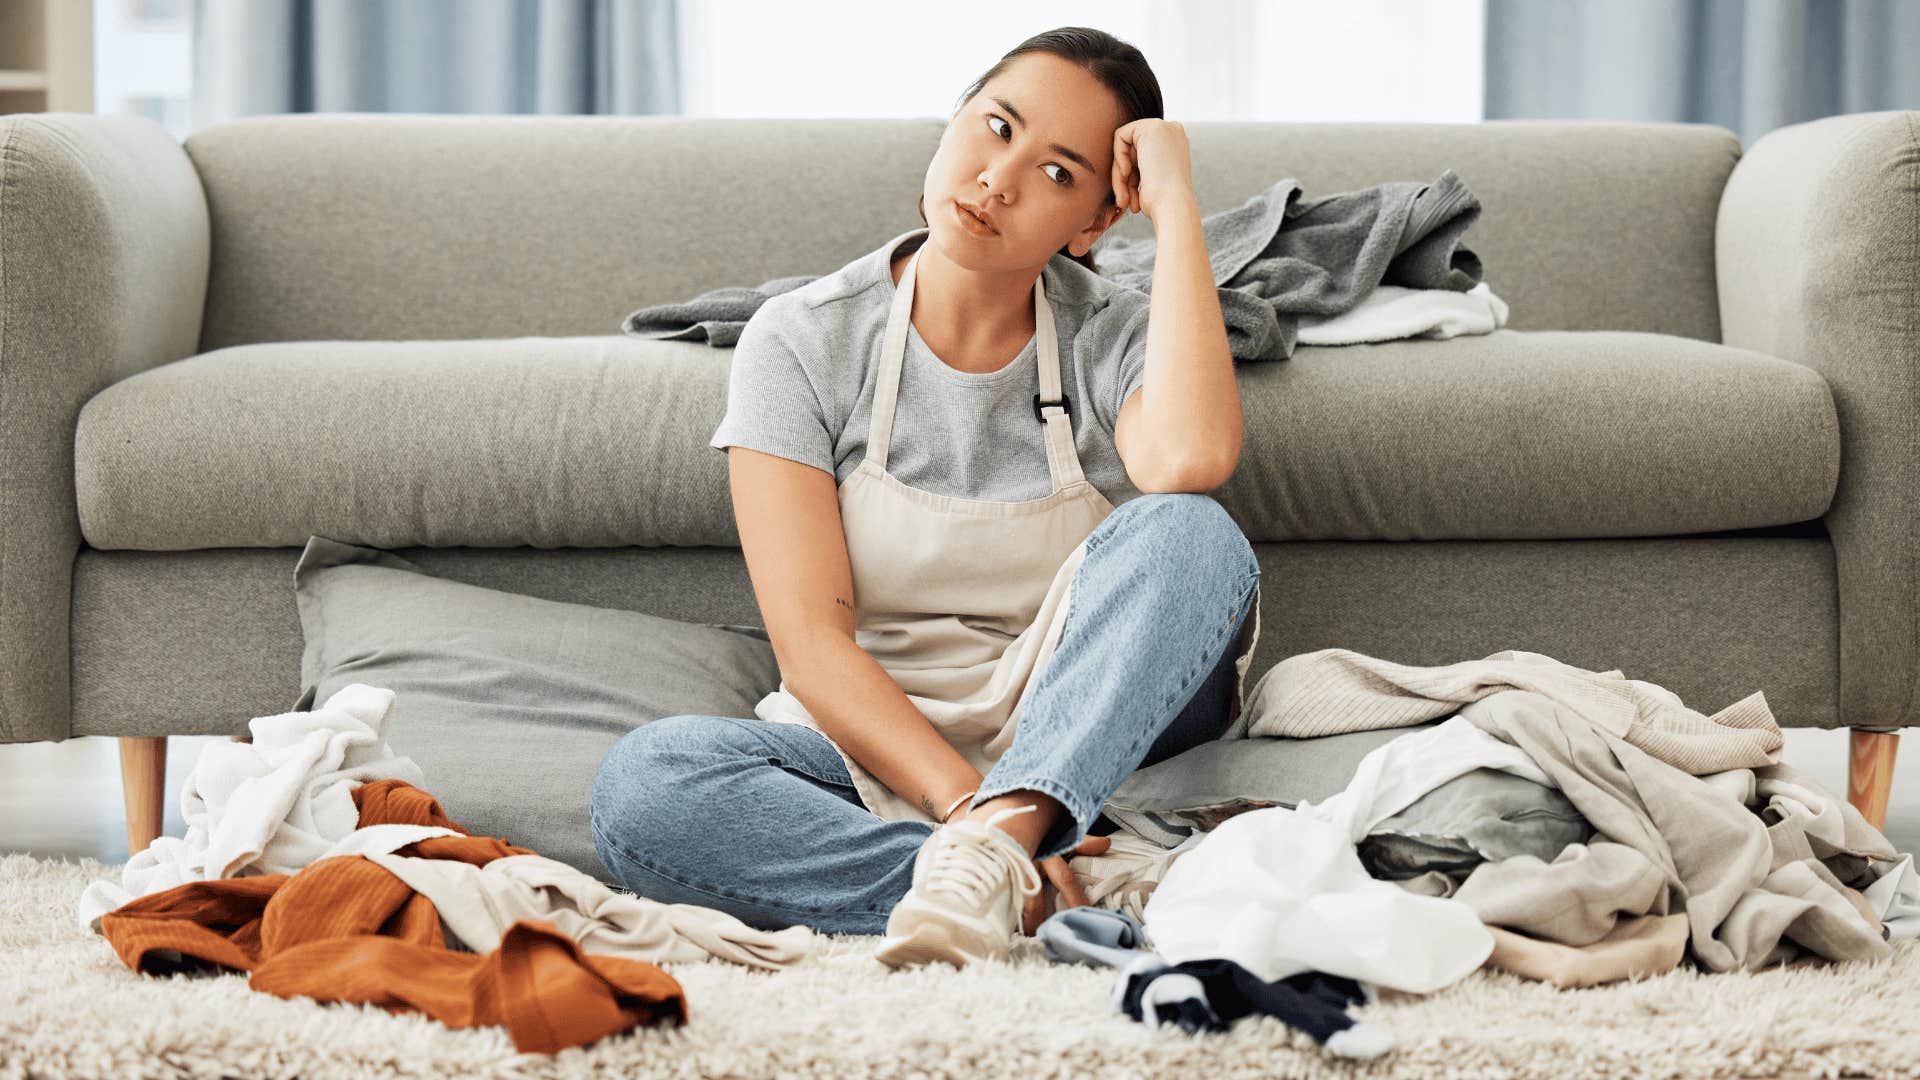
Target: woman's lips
<point>972,223</point>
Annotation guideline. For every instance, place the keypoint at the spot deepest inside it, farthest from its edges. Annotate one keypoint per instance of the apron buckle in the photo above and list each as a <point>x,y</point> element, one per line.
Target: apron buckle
<point>1065,402</point>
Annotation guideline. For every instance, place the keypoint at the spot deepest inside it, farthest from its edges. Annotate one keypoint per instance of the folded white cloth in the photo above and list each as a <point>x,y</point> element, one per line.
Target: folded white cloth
<point>479,904</point>
<point>273,805</point>
<point>1395,311</point>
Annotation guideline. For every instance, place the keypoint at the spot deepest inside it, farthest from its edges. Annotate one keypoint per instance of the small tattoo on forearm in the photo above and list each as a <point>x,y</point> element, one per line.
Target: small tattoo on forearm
<point>848,604</point>
<point>927,805</point>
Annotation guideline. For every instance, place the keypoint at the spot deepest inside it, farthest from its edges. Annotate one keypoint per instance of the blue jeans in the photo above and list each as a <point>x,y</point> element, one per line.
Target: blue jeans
<point>760,819</point>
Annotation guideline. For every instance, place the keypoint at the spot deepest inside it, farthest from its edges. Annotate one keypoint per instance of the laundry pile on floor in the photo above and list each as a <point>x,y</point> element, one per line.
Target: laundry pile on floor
<point>1566,825</point>
<point>1372,264</point>
<point>314,862</point>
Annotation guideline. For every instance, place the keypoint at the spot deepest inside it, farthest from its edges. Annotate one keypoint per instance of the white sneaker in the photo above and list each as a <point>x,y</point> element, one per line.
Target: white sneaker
<point>970,884</point>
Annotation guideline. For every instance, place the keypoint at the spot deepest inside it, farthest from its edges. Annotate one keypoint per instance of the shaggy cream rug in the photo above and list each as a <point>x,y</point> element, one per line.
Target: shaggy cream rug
<point>69,1007</point>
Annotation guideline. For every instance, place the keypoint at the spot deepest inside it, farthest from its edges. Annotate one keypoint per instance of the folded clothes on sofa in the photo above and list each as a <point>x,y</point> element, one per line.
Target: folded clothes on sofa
<point>1278,260</point>
<point>1390,312</point>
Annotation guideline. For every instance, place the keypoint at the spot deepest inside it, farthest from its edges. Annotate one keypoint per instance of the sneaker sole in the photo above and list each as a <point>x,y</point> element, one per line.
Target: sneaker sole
<point>925,943</point>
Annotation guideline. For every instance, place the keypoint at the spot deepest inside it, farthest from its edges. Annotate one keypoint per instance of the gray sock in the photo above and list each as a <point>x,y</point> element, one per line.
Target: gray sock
<point>1101,937</point>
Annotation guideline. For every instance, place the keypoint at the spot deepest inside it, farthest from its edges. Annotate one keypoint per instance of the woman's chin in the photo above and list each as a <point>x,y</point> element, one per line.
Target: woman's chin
<point>961,249</point>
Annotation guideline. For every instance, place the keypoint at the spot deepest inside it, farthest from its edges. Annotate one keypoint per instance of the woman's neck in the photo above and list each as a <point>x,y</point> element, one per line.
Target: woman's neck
<point>973,313</point>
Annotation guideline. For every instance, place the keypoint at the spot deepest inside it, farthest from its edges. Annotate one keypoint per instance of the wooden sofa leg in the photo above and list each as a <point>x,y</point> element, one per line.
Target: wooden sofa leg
<point>143,787</point>
<point>1870,773</point>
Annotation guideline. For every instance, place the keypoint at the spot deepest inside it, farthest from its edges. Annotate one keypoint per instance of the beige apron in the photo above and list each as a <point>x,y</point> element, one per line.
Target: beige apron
<point>960,600</point>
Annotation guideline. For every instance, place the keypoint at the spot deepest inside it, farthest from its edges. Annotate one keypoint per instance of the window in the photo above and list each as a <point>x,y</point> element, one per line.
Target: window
<point>1358,60</point>
<point>143,60</point>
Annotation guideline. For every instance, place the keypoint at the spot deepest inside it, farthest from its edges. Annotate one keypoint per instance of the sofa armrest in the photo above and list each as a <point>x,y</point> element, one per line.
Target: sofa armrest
<point>104,247</point>
<point>1817,246</point>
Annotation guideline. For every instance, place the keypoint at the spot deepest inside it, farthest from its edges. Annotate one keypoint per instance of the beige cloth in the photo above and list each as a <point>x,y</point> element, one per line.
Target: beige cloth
<point>1647,945</point>
<point>1334,690</point>
<point>1716,854</point>
<point>1124,876</point>
<point>1763,863</point>
<point>1577,899</point>
<point>479,904</point>
<point>962,601</point>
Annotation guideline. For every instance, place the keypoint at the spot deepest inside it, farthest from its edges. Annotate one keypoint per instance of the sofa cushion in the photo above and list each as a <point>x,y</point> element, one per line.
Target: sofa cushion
<point>508,702</point>
<point>602,442</point>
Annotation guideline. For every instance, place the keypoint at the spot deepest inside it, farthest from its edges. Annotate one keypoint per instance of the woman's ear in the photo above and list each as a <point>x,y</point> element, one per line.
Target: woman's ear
<point>1102,221</point>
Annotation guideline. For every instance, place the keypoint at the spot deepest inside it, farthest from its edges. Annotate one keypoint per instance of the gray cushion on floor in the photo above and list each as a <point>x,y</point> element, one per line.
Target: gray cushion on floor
<point>508,702</point>
<point>1210,783</point>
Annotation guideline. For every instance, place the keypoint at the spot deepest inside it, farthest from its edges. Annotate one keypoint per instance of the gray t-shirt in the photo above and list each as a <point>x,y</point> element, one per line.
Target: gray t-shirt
<point>805,368</point>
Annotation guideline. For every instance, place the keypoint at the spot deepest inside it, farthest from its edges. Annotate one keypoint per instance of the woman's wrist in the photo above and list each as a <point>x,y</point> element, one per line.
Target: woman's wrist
<point>955,806</point>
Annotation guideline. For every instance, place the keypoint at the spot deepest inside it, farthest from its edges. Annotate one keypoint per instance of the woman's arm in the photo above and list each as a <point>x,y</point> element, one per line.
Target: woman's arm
<point>788,515</point>
<point>1189,420</point>
<point>858,704</point>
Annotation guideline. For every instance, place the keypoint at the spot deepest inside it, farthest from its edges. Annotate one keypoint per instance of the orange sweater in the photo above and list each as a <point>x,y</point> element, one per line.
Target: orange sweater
<point>344,929</point>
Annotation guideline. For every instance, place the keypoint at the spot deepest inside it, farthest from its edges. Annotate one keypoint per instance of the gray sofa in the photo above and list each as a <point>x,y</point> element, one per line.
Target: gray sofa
<point>1693,454</point>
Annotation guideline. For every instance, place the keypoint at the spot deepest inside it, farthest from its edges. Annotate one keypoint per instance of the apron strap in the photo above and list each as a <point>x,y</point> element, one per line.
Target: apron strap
<point>1063,460</point>
<point>886,390</point>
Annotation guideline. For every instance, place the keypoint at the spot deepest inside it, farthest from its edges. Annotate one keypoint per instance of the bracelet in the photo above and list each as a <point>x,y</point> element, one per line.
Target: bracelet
<point>956,805</point>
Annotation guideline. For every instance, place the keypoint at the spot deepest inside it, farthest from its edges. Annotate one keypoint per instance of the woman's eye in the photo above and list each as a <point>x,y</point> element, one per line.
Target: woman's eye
<point>1065,179</point>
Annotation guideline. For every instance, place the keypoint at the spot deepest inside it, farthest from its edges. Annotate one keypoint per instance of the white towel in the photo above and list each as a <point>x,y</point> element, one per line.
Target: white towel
<point>275,804</point>
<point>1394,311</point>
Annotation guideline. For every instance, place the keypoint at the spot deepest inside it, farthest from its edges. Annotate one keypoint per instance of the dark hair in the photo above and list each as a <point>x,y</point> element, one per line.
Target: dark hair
<point>1115,63</point>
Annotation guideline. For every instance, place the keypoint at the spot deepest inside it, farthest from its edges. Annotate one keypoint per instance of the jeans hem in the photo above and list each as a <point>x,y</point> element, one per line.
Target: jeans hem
<point>1074,804</point>
<point>798,915</point>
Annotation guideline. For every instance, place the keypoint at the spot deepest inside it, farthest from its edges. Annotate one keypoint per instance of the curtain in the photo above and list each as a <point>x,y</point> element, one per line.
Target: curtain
<point>1746,66</point>
<point>433,56</point>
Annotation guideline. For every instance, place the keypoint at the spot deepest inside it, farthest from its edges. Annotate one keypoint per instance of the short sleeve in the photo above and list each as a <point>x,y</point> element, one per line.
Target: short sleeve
<point>774,403</point>
<point>1116,336</point>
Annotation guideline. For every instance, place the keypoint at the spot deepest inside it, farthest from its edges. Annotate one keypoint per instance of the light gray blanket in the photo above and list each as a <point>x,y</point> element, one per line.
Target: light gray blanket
<point>1275,257</point>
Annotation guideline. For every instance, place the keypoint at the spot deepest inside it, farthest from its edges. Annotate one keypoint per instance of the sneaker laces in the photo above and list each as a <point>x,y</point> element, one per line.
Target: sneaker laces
<point>967,861</point>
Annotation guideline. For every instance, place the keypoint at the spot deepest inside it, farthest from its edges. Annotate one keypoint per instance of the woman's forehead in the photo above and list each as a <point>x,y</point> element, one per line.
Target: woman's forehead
<point>1077,118</point>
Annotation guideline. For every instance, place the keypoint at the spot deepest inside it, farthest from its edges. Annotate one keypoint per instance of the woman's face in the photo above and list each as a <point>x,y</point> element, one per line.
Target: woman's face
<point>1034,149</point>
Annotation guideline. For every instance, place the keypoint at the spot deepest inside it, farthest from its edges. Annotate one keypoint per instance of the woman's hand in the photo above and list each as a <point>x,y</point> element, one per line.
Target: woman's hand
<point>1152,164</point>
<point>1054,871</point>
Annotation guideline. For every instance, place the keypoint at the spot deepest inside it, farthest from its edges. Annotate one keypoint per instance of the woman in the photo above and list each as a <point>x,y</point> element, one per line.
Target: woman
<point>977,645</point>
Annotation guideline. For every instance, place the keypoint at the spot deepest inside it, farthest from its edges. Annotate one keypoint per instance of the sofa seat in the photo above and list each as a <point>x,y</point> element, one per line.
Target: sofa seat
<point>601,442</point>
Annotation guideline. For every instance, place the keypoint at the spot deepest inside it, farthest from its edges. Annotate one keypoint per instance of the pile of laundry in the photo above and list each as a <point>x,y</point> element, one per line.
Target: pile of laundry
<point>314,862</point>
<point>1565,825</point>
<point>1372,264</point>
